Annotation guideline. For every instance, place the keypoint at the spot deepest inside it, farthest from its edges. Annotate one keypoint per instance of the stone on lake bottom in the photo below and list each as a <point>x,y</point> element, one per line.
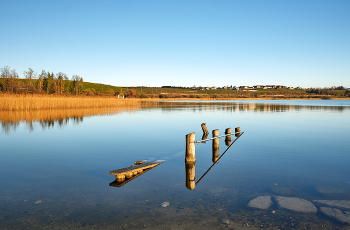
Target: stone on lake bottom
<point>165,204</point>
<point>295,204</point>
<point>262,202</point>
<point>224,221</point>
<point>336,203</point>
<point>337,214</point>
<point>38,202</point>
<point>327,190</point>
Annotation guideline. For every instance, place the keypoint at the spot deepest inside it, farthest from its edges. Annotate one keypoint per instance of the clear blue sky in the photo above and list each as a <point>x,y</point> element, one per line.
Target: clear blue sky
<point>181,43</point>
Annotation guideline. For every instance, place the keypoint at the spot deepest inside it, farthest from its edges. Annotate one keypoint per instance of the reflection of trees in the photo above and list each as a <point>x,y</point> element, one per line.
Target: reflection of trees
<point>50,118</point>
<point>237,107</point>
<point>7,126</point>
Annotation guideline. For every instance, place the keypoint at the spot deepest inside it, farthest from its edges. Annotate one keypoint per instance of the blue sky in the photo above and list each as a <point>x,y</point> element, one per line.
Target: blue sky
<point>181,43</point>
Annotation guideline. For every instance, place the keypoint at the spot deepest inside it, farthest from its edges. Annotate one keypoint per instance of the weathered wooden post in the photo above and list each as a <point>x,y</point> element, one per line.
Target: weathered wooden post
<point>237,129</point>
<point>205,136</point>
<point>228,138</point>
<point>204,128</point>
<point>216,144</point>
<point>190,148</point>
<point>190,175</point>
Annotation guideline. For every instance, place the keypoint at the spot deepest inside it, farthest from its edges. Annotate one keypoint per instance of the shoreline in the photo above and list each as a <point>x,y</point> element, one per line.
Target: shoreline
<point>18,102</point>
<point>235,99</point>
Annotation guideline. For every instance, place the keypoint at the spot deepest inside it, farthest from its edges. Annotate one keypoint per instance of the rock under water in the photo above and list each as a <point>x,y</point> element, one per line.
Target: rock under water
<point>295,204</point>
<point>337,214</point>
<point>262,202</point>
<point>336,203</point>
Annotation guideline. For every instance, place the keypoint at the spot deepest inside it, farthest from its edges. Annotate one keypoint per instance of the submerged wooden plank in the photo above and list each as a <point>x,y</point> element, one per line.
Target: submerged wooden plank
<point>135,168</point>
<point>117,183</point>
<point>139,162</point>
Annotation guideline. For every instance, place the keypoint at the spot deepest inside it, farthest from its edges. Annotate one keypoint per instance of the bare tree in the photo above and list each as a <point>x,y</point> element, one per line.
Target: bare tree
<point>77,84</point>
<point>10,79</point>
<point>29,75</point>
<point>40,80</point>
<point>13,81</point>
<point>60,82</point>
<point>5,75</point>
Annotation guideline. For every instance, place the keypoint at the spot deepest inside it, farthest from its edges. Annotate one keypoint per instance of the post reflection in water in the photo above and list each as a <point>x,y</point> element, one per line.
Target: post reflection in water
<point>216,143</point>
<point>228,137</point>
<point>190,175</point>
<point>190,166</point>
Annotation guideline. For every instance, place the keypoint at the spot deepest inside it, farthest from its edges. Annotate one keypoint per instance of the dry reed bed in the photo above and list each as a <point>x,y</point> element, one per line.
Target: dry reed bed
<point>13,102</point>
<point>59,114</point>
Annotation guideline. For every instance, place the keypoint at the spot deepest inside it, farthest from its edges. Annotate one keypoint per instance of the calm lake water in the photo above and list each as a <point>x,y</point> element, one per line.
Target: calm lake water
<point>55,172</point>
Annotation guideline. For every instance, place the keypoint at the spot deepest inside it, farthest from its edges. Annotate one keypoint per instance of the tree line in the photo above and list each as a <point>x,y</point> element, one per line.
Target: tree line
<point>326,91</point>
<point>44,82</point>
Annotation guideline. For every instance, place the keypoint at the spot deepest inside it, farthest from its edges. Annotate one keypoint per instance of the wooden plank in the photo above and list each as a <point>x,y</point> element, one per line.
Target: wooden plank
<point>135,168</point>
<point>117,183</point>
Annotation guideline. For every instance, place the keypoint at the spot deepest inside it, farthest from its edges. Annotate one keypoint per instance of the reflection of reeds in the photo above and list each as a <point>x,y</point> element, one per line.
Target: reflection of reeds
<point>17,102</point>
<point>60,114</point>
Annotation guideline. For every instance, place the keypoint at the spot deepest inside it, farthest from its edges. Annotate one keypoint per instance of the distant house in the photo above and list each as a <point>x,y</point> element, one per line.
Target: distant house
<point>119,95</point>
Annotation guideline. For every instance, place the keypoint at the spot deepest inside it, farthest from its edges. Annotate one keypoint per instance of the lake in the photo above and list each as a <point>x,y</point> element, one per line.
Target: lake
<point>55,167</point>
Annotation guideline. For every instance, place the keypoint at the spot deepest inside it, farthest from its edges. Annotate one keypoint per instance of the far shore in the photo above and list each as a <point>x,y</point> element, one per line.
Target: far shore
<point>235,99</point>
<point>18,102</point>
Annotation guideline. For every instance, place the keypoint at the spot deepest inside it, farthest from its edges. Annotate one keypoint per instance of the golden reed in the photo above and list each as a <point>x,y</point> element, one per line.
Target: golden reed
<point>18,102</point>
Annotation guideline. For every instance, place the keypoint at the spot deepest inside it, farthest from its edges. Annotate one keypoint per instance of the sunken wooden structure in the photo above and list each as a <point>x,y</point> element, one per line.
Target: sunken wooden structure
<point>127,174</point>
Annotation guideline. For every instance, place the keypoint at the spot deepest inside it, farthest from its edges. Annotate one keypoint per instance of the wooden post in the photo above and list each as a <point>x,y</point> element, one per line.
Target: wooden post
<point>228,138</point>
<point>216,143</point>
<point>204,128</point>
<point>205,136</point>
<point>237,129</point>
<point>190,148</point>
<point>190,175</point>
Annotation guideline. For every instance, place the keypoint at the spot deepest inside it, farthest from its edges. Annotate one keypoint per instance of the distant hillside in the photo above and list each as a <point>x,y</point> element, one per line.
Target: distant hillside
<point>101,87</point>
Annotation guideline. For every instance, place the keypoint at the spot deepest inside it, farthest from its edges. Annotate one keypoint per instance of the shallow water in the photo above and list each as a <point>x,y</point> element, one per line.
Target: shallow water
<point>55,173</point>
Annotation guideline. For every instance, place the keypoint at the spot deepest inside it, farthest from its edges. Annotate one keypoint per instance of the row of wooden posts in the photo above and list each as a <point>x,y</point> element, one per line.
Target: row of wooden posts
<point>127,174</point>
<point>190,155</point>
